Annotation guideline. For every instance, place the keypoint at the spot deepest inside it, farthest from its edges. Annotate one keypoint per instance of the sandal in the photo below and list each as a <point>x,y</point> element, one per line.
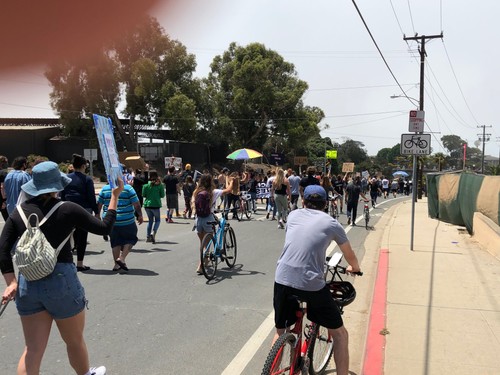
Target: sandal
<point>122,264</point>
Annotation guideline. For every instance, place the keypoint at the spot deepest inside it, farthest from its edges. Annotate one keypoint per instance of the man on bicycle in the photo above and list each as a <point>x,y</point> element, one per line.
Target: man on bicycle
<point>300,272</point>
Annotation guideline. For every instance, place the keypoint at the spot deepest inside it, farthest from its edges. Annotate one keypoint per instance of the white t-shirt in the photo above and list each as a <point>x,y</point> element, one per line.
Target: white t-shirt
<point>385,183</point>
<point>309,232</point>
<point>216,193</point>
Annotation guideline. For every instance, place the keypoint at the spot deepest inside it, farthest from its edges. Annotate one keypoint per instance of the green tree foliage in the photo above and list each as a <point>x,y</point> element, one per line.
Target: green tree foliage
<point>352,151</point>
<point>440,160</point>
<point>257,96</point>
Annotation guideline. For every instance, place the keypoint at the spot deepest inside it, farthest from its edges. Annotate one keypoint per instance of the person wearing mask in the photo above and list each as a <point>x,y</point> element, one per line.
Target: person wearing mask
<point>13,182</point>
<point>153,192</point>
<point>58,297</point>
<point>80,191</point>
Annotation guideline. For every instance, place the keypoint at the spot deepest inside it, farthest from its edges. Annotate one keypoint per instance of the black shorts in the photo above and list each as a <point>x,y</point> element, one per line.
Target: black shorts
<point>321,308</point>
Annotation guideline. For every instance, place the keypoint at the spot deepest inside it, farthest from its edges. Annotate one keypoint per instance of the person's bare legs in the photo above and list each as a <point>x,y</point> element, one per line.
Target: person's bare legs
<point>71,330</point>
<point>340,349</point>
<point>36,330</point>
<point>200,236</point>
<point>125,251</point>
<point>116,252</point>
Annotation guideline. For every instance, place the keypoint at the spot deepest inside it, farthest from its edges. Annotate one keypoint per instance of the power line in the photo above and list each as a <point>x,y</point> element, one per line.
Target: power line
<point>411,17</point>
<point>378,49</point>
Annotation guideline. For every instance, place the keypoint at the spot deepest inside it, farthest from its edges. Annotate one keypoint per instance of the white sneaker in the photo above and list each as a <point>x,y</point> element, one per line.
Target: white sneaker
<point>101,370</point>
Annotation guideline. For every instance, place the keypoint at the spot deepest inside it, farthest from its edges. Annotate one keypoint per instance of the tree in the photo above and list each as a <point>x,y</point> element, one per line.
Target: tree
<point>352,151</point>
<point>257,95</point>
<point>440,159</point>
<point>454,144</point>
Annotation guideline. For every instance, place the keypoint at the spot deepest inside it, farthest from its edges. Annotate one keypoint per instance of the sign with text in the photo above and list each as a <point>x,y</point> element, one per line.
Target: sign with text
<point>277,158</point>
<point>348,167</point>
<point>172,161</point>
<point>331,154</point>
<point>415,144</point>
<point>417,120</point>
<point>104,130</point>
<point>300,160</point>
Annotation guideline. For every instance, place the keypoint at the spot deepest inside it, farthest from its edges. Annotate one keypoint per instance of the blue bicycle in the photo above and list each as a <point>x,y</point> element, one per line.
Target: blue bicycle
<point>217,247</point>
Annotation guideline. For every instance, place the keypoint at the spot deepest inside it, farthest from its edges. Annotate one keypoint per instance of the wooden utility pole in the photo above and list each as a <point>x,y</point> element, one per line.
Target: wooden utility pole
<point>484,138</point>
<point>422,39</point>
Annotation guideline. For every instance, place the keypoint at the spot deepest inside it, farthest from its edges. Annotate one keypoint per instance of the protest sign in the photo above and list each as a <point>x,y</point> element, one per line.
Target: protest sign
<point>104,130</point>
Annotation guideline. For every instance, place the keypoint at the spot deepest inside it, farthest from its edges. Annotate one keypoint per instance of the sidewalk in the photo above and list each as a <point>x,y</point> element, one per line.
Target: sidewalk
<point>442,300</point>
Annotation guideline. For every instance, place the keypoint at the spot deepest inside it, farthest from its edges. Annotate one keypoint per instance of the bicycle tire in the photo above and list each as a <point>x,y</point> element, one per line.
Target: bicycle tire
<point>248,211</point>
<point>320,350</point>
<point>230,247</point>
<point>240,210</point>
<point>422,143</point>
<point>367,218</point>
<point>280,358</point>
<point>208,258</point>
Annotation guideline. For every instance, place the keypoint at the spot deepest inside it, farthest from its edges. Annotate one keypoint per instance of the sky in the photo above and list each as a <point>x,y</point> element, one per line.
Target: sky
<point>333,52</point>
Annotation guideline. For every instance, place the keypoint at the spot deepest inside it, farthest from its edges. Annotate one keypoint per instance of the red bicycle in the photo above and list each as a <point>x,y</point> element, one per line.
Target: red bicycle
<point>296,352</point>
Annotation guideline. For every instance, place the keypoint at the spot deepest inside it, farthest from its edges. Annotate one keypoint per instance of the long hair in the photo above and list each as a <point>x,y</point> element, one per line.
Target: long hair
<point>325,182</point>
<point>280,178</point>
<point>206,183</point>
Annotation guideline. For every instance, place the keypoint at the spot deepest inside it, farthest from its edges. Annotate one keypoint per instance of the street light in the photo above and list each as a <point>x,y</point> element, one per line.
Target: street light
<point>414,101</point>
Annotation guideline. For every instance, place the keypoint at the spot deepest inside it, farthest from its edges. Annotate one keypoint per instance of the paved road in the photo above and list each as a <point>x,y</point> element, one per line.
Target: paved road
<point>162,318</point>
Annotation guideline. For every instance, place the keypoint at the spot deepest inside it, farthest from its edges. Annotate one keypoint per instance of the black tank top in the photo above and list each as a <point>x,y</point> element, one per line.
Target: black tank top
<point>281,190</point>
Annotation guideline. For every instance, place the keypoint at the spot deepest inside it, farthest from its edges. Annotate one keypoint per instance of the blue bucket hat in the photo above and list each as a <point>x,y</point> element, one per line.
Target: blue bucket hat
<point>315,193</point>
<point>47,178</point>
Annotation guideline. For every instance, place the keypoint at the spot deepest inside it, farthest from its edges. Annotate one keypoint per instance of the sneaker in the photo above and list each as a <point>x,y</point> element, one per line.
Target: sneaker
<point>153,239</point>
<point>170,221</point>
<point>348,220</point>
<point>101,370</point>
<point>273,218</point>
<point>148,239</point>
<point>281,225</point>
<point>267,216</point>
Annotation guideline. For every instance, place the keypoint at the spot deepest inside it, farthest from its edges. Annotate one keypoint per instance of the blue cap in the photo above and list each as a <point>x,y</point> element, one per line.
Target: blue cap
<point>315,193</point>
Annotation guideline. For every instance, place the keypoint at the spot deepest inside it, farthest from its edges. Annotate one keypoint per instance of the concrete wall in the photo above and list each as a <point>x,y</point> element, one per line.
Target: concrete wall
<point>487,234</point>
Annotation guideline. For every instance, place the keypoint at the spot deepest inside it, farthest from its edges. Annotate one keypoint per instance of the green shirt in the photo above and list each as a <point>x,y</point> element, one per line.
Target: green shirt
<point>153,194</point>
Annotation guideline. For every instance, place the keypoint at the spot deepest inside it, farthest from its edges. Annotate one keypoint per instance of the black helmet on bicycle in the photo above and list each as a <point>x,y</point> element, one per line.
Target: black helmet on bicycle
<point>343,292</point>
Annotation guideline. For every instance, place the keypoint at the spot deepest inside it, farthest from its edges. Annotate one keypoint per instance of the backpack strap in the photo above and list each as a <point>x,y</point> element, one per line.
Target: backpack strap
<point>39,224</point>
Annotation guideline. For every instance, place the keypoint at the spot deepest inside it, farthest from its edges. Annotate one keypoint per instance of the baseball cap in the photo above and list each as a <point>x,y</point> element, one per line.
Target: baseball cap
<point>315,193</point>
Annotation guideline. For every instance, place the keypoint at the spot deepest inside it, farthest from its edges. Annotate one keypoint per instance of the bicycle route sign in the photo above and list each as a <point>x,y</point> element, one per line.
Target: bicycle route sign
<point>415,144</point>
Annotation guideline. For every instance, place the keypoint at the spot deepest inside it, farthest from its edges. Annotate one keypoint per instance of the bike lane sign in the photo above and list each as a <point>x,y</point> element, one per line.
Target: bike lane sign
<point>415,144</point>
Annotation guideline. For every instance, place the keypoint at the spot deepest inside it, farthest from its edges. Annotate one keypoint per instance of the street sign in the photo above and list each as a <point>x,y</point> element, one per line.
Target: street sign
<point>331,154</point>
<point>417,119</point>
<point>300,160</point>
<point>415,144</point>
<point>90,153</point>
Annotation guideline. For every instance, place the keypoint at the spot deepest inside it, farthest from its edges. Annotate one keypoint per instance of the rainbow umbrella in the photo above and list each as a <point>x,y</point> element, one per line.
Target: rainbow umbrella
<point>244,154</point>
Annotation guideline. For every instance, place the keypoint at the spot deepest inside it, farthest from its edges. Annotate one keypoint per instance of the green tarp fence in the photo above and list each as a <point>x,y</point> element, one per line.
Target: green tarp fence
<point>452,197</point>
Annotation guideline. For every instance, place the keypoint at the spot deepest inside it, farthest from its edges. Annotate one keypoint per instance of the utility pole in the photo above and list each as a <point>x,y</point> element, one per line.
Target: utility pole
<point>484,138</point>
<point>418,186</point>
<point>422,39</point>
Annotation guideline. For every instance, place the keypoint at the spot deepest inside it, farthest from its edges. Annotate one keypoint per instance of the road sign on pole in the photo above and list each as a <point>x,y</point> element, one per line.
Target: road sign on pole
<point>417,120</point>
<point>415,144</point>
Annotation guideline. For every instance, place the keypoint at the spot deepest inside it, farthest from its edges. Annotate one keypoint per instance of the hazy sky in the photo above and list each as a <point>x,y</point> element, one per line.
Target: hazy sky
<point>333,52</point>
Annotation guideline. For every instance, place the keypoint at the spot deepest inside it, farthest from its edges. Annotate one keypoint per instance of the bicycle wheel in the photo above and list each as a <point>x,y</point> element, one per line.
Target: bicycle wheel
<point>320,350</point>
<point>248,211</point>
<point>230,247</point>
<point>239,210</point>
<point>280,358</point>
<point>207,256</point>
<point>409,143</point>
<point>367,218</point>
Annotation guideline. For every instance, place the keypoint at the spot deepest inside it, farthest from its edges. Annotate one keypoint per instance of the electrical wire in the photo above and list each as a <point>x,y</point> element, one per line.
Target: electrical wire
<point>378,49</point>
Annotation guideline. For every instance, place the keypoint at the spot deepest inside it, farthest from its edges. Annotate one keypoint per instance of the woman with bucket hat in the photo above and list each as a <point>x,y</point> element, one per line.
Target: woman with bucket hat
<point>59,296</point>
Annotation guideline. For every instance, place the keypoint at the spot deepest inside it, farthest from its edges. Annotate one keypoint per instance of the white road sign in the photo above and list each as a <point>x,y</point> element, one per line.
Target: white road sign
<point>417,119</point>
<point>415,144</point>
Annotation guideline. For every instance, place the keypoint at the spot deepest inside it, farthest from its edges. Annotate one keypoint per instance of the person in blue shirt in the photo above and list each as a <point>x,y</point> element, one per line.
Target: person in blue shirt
<point>124,234</point>
<point>14,180</point>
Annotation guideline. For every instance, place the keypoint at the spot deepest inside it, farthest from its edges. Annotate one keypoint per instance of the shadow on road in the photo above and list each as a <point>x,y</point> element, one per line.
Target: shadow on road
<point>228,273</point>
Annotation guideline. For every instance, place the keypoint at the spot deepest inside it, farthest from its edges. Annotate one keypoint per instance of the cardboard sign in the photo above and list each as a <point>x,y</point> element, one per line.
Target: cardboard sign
<point>172,161</point>
<point>348,167</point>
<point>104,130</point>
<point>300,160</point>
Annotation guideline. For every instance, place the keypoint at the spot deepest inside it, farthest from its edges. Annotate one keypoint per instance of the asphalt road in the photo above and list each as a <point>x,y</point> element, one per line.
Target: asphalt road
<point>163,318</point>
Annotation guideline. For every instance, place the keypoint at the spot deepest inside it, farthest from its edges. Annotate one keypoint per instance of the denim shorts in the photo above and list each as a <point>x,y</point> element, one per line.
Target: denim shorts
<point>60,294</point>
<point>202,224</point>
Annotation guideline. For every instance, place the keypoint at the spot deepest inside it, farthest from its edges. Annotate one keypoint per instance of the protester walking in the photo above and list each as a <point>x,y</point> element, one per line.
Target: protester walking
<point>124,234</point>
<point>80,191</point>
<point>153,192</point>
<point>172,193</point>
<point>59,296</point>
<point>14,180</point>
<point>280,190</point>
<point>187,190</point>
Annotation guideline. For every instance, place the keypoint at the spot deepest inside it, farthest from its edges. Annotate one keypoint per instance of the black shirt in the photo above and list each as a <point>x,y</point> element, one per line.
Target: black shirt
<point>68,216</point>
<point>309,180</point>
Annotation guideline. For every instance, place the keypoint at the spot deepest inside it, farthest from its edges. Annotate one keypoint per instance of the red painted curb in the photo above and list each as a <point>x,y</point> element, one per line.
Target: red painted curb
<point>375,342</point>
